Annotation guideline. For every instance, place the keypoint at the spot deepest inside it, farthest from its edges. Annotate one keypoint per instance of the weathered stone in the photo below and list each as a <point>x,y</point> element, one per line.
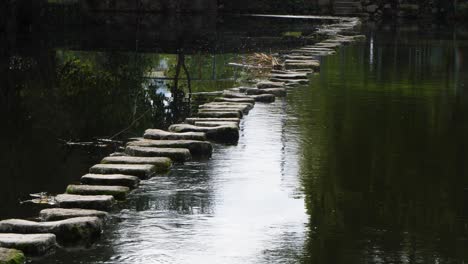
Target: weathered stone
<point>164,135</point>
<point>298,57</point>
<point>235,100</point>
<point>192,120</point>
<point>214,123</point>
<point>196,147</point>
<point>311,53</point>
<point>175,154</point>
<point>161,164</point>
<point>226,133</point>
<point>66,231</point>
<point>328,45</point>
<point>119,192</point>
<point>247,105</point>
<point>11,256</point>
<point>292,82</point>
<point>264,98</point>
<point>214,107</point>
<point>214,110</point>
<point>143,171</point>
<point>305,64</point>
<point>30,244</point>
<point>278,92</point>
<point>96,202</point>
<point>55,214</point>
<point>228,94</point>
<point>262,85</point>
<point>219,114</point>
<point>315,48</point>
<point>296,76</point>
<point>111,179</point>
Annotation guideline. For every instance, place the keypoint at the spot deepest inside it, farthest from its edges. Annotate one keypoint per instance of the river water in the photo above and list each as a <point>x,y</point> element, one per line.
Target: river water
<point>367,164</point>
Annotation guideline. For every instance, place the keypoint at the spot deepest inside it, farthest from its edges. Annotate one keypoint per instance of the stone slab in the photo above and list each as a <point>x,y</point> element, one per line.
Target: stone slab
<point>96,202</point>
<point>143,171</point>
<point>219,114</point>
<point>30,244</point>
<point>70,230</point>
<point>214,123</point>
<point>196,147</point>
<point>175,154</point>
<point>111,179</point>
<point>268,84</point>
<point>119,192</point>
<point>293,76</point>
<point>235,100</point>
<point>162,164</point>
<point>264,98</point>
<point>215,107</point>
<point>225,133</point>
<point>192,120</point>
<point>165,135</point>
<point>55,214</point>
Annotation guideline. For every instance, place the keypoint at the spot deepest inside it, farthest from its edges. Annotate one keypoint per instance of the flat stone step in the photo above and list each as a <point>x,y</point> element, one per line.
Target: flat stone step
<point>71,230</point>
<point>30,244</point>
<point>96,202</point>
<point>164,135</point>
<point>315,48</point>
<point>235,100</point>
<point>175,154</point>
<point>291,76</point>
<point>119,192</point>
<point>295,82</point>
<point>312,52</point>
<point>196,147</point>
<point>328,45</point>
<point>247,105</point>
<point>264,98</point>
<point>289,64</point>
<point>11,256</point>
<point>162,164</point>
<point>225,133</point>
<point>227,94</point>
<point>280,92</point>
<point>262,85</point>
<point>216,107</point>
<point>214,123</point>
<point>192,120</point>
<point>219,114</point>
<point>143,171</point>
<point>111,180</point>
<point>239,112</point>
<point>55,214</point>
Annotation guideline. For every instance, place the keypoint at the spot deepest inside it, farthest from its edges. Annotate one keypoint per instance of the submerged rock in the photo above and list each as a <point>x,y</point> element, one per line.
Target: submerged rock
<point>175,154</point>
<point>111,179</point>
<point>11,256</point>
<point>162,164</point>
<point>235,100</point>
<point>30,244</point>
<point>119,192</point>
<point>164,135</point>
<point>143,171</point>
<point>55,214</point>
<point>96,202</point>
<point>66,231</point>
<point>225,133</point>
<point>193,120</point>
<point>196,147</point>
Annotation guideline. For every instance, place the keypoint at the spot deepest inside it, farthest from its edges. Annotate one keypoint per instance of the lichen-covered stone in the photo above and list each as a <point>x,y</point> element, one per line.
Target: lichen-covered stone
<point>165,135</point>
<point>66,231</point>
<point>119,192</point>
<point>30,244</point>
<point>162,164</point>
<point>193,120</point>
<point>196,147</point>
<point>96,202</point>
<point>235,100</point>
<point>11,256</point>
<point>55,214</point>
<point>111,180</point>
<point>142,171</point>
<point>226,133</point>
<point>175,154</point>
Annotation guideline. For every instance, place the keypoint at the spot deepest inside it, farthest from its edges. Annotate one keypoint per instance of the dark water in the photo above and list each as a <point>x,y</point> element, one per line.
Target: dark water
<point>364,165</point>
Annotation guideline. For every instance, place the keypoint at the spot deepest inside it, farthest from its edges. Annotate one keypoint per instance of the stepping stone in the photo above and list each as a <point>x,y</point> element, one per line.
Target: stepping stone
<point>66,231</point>
<point>264,98</point>
<point>227,94</point>
<point>55,214</point>
<point>226,133</point>
<point>262,85</point>
<point>143,171</point>
<point>212,110</point>
<point>235,100</point>
<point>164,135</point>
<point>11,256</point>
<point>175,154</point>
<point>328,45</point>
<point>291,76</point>
<point>196,147</point>
<point>111,179</point>
<point>119,192</point>
<point>192,120</point>
<point>278,92</point>
<point>214,107</point>
<point>96,202</point>
<point>30,244</point>
<point>298,57</point>
<point>293,82</point>
<point>214,123</point>
<point>317,49</point>
<point>248,105</point>
<point>219,114</point>
<point>312,52</point>
<point>162,164</point>
<point>305,64</point>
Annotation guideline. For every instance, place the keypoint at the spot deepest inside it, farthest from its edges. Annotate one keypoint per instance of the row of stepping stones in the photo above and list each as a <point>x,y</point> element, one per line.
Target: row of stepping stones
<point>80,212</point>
